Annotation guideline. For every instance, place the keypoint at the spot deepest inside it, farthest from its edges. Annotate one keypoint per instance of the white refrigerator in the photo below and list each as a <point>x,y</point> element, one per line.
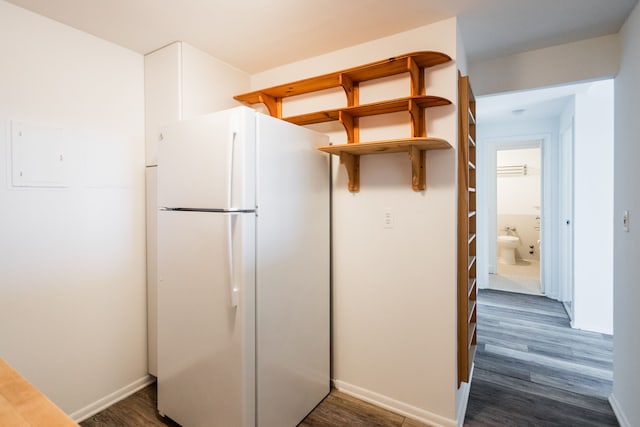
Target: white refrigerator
<point>243,270</point>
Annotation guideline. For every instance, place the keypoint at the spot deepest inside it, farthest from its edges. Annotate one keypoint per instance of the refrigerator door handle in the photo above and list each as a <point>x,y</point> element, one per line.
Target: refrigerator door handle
<point>230,264</point>
<point>230,165</point>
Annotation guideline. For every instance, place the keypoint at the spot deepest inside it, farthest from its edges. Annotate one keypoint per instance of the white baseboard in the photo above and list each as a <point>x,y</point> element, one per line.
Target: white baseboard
<point>465,389</point>
<point>116,396</point>
<point>393,405</point>
<point>617,410</point>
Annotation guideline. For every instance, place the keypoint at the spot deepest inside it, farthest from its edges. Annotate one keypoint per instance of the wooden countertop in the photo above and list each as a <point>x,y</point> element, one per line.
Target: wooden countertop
<point>23,405</point>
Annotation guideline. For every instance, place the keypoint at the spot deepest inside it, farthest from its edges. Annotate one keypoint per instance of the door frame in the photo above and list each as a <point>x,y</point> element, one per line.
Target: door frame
<point>487,241</point>
<point>566,286</point>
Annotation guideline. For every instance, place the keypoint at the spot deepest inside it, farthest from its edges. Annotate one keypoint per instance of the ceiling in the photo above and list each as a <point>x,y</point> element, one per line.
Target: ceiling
<point>529,105</point>
<point>255,35</point>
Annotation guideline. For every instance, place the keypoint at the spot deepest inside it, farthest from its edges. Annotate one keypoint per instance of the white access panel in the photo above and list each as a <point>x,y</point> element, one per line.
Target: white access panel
<point>206,347</point>
<point>38,156</point>
<point>292,272</point>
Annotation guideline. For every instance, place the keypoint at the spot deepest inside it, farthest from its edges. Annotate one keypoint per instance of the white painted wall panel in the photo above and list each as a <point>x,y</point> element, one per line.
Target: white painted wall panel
<point>208,84</point>
<point>72,260</point>
<point>626,364</point>
<point>593,208</point>
<point>163,94</point>
<point>590,59</point>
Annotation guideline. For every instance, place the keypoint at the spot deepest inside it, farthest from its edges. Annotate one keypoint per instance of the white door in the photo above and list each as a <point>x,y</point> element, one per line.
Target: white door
<point>206,346</point>
<point>208,162</point>
<point>566,225</point>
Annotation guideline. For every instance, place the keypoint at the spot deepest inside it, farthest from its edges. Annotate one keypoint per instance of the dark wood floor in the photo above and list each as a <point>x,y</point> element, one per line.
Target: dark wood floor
<point>338,409</point>
<point>532,369</point>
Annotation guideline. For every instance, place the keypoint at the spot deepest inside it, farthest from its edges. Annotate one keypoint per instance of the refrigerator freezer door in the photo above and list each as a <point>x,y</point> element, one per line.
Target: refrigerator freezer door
<point>206,347</point>
<point>292,273</point>
<point>208,162</point>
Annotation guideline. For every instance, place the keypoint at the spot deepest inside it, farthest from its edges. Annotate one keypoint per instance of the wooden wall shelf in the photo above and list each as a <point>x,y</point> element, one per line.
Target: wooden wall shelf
<point>349,80</point>
<point>467,285</point>
<point>384,107</point>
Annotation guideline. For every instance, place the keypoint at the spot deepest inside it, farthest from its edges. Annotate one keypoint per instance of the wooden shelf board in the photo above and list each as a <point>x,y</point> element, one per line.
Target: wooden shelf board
<point>472,141</point>
<point>326,81</point>
<point>384,107</point>
<point>472,166</point>
<point>315,117</point>
<point>384,68</point>
<point>472,237</point>
<point>387,146</point>
<point>472,190</point>
<point>21,404</point>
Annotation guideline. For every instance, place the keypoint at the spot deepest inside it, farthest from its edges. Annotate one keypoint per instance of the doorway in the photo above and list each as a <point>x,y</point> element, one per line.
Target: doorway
<point>575,126</point>
<point>518,218</point>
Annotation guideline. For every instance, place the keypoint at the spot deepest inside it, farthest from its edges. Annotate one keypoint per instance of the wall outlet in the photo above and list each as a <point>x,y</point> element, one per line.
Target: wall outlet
<point>387,218</point>
<point>625,221</point>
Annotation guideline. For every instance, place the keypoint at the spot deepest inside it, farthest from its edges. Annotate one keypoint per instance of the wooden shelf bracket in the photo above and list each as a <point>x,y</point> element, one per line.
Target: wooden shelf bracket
<point>418,128</point>
<point>350,125</point>
<point>273,104</point>
<point>351,163</point>
<point>417,77</point>
<point>418,168</point>
<point>350,89</point>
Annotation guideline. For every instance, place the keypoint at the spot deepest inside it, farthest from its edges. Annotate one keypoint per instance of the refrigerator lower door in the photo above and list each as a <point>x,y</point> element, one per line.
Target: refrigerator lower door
<point>206,346</point>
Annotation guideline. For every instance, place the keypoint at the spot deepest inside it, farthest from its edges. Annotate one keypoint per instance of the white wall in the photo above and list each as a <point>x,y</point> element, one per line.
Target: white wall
<point>72,275</point>
<point>626,374</point>
<point>593,208</point>
<point>394,290</point>
<point>589,59</point>
<point>519,194</point>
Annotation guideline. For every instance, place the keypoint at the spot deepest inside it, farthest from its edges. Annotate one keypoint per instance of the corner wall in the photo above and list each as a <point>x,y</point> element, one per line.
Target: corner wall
<point>72,259</point>
<point>626,248</point>
<point>394,289</point>
<point>593,208</point>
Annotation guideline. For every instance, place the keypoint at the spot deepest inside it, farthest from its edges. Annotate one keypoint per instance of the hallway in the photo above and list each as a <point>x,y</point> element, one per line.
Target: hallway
<point>531,368</point>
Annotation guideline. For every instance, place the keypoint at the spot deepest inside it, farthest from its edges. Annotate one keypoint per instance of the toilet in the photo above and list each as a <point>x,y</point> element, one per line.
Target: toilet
<point>508,245</point>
